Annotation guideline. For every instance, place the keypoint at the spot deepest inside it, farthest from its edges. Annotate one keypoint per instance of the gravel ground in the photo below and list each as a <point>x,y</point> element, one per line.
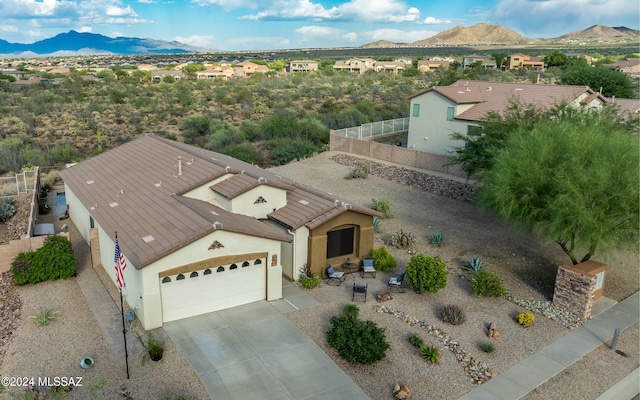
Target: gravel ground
<point>526,264</point>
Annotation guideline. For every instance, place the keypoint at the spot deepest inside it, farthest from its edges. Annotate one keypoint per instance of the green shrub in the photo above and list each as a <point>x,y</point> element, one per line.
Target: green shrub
<point>7,210</point>
<point>430,353</point>
<point>487,346</point>
<point>376,224</point>
<point>360,171</point>
<point>44,317</point>
<point>54,260</point>
<point>382,259</point>
<point>474,265</point>
<point>525,319</point>
<point>416,340</point>
<point>383,206</point>
<point>452,314</point>
<point>426,273</point>
<point>488,284</point>
<point>403,240</point>
<point>359,342</point>
<point>310,282</point>
<point>43,207</point>
<point>438,239</point>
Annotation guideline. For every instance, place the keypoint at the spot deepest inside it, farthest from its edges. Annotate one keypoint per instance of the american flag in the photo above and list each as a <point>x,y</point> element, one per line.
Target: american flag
<point>121,265</point>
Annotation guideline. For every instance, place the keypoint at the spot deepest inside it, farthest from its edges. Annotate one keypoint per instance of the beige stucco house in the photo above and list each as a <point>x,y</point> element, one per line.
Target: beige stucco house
<point>201,231</point>
<point>355,65</point>
<point>302,66</point>
<point>524,61</point>
<point>439,111</point>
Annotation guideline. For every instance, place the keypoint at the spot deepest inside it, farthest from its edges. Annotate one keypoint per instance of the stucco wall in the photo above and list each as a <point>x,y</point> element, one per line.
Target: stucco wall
<point>246,203</point>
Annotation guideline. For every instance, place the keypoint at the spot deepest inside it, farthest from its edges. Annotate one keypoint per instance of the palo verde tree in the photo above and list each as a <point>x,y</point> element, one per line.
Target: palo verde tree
<point>572,178</point>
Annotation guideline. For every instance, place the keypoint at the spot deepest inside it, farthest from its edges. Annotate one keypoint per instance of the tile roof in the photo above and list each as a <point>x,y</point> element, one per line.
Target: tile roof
<point>136,189</point>
<point>495,96</point>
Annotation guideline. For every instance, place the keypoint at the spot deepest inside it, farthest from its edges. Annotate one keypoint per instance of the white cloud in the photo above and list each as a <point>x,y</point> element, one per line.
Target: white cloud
<point>315,33</point>
<point>351,37</point>
<point>554,18</point>
<point>85,29</point>
<point>37,9</point>
<point>146,1</point>
<point>227,4</point>
<point>196,40</point>
<point>8,28</point>
<point>354,10</point>
<point>113,11</point>
<point>435,21</point>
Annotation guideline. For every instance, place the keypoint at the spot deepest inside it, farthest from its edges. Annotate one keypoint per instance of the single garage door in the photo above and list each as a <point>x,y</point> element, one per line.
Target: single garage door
<point>211,289</point>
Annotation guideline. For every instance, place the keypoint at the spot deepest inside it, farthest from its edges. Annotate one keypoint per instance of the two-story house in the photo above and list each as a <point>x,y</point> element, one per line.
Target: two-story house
<point>223,72</point>
<point>431,65</point>
<point>439,111</point>
<point>523,61</point>
<point>472,59</point>
<point>247,68</point>
<point>355,65</point>
<point>302,66</point>
<point>201,231</point>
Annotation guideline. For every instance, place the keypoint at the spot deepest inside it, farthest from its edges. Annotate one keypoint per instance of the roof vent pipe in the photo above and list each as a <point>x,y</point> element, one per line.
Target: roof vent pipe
<point>179,166</point>
<point>336,202</point>
<point>217,225</point>
<point>227,169</point>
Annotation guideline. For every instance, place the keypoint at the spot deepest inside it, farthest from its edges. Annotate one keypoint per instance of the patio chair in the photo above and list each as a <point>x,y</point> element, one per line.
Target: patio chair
<point>334,277</point>
<point>368,268</point>
<point>396,283</point>
<point>360,290</point>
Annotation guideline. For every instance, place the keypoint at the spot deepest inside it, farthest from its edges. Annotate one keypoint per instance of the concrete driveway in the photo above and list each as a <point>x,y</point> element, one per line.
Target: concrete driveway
<point>255,352</point>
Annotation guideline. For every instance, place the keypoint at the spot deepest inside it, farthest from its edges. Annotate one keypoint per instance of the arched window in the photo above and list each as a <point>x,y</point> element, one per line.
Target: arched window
<point>180,277</point>
<point>166,279</point>
<point>194,274</point>
<point>245,264</point>
<point>233,266</point>
<point>220,269</point>
<point>207,272</point>
<point>257,262</point>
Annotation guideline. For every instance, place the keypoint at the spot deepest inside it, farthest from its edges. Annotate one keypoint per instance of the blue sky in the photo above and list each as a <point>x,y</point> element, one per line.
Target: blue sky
<point>291,24</point>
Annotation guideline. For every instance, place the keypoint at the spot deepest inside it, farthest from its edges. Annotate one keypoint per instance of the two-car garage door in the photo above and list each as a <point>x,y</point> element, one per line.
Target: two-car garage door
<point>214,288</point>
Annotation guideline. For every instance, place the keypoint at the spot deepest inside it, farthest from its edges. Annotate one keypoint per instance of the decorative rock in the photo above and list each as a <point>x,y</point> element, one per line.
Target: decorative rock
<point>396,388</point>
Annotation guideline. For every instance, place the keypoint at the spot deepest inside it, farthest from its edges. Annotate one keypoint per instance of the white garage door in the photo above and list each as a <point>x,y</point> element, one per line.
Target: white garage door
<point>216,288</point>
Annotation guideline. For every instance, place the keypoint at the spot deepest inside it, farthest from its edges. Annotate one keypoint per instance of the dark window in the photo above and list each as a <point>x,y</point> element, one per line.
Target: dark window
<point>233,266</point>
<point>207,272</point>
<point>257,262</point>
<point>220,269</point>
<point>245,264</point>
<point>473,130</point>
<point>166,279</point>
<point>450,113</point>
<point>180,277</point>
<point>194,274</point>
<point>416,110</point>
<point>340,242</point>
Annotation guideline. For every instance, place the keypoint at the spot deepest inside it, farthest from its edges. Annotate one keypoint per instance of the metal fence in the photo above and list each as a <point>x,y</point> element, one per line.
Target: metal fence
<point>375,129</point>
<point>19,183</point>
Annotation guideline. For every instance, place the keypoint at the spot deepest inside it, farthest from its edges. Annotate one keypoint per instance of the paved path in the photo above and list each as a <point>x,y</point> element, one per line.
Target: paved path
<point>535,370</point>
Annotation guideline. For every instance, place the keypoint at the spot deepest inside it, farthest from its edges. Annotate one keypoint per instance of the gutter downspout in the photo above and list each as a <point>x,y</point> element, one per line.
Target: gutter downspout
<point>294,255</point>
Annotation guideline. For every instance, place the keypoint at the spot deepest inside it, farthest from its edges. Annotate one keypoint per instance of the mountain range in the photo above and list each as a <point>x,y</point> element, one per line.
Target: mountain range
<point>85,43</point>
<point>483,34</point>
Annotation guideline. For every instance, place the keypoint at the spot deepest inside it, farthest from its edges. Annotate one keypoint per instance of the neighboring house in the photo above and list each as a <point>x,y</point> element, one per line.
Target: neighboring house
<point>391,66</point>
<point>202,231</point>
<point>16,74</point>
<point>523,61</point>
<point>158,75</point>
<point>223,72</point>
<point>147,67</point>
<point>247,68</point>
<point>302,66</point>
<point>356,65</point>
<point>627,107</point>
<point>431,65</point>
<point>439,111</point>
<point>589,58</point>
<point>630,66</point>
<point>469,60</point>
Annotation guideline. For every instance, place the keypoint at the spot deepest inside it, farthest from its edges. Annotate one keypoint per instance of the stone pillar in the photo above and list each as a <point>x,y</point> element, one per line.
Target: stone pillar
<point>576,286</point>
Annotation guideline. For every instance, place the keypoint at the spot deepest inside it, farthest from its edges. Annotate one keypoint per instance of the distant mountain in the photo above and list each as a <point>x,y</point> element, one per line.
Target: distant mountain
<point>484,34</point>
<point>84,43</point>
<point>602,33</point>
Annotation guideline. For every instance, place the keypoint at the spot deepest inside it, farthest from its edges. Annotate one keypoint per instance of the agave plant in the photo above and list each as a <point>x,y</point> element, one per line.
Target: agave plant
<point>438,239</point>
<point>474,265</point>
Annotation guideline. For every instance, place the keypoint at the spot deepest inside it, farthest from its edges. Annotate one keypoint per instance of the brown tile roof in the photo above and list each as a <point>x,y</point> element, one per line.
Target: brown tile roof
<point>136,189</point>
<point>495,96</point>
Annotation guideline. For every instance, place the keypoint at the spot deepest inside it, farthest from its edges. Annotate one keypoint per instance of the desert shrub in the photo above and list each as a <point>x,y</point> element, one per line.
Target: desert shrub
<point>383,206</point>
<point>488,284</point>
<point>360,171</point>
<point>487,346</point>
<point>403,240</point>
<point>474,265</point>
<point>7,210</point>
<point>382,259</point>
<point>452,314</point>
<point>430,353</point>
<point>376,224</point>
<point>426,273</point>
<point>416,340</point>
<point>309,282</point>
<point>359,342</point>
<point>284,150</point>
<point>438,239</point>
<point>525,319</point>
<point>54,260</point>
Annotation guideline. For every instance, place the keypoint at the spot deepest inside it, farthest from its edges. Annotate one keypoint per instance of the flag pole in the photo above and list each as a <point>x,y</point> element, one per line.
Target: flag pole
<point>124,329</point>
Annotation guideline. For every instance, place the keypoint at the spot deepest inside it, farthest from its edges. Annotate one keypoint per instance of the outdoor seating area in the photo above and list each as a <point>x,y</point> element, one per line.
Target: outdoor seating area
<point>334,277</point>
<point>368,268</point>
<point>397,284</point>
<point>360,290</point>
